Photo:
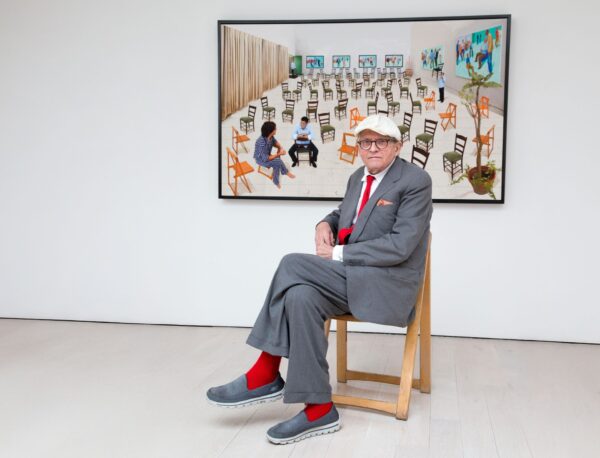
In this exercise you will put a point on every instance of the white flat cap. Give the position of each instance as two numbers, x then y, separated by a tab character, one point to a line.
380	124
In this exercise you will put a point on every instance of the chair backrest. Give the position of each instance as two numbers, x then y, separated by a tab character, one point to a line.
342	104
384	112
418	81
354	113
284	86
407	119
264	102
411	99
345	137
325	84
430	126
490	132
358	86
232	159
389	96
324	119
419	156
460	142
388	84
299	85
376	98
338	85
251	111
484	102
431	96
451	110
313	105
290	104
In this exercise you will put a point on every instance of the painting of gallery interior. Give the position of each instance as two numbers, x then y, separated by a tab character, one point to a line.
442	82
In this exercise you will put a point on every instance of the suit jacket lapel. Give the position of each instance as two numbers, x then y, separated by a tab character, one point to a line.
389	179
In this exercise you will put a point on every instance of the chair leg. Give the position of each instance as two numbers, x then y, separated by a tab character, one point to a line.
425	336
327	327
408	366
342	350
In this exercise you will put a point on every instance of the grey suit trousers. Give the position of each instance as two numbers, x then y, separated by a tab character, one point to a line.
305	291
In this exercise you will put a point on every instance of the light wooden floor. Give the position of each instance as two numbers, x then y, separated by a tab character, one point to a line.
108	390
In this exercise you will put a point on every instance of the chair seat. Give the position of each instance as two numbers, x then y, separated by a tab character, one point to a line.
268	108
422	87
347	149
403	129
485	139
242	168
371	104
393	104
287	112
445	115
417	103
242	138
452	156
425	137
246	119
327	128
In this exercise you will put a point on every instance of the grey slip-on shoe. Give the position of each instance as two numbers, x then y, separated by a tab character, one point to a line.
237	394
297	428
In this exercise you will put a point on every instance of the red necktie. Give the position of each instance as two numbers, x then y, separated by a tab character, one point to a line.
344	233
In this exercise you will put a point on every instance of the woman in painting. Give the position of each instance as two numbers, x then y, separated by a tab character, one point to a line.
263	156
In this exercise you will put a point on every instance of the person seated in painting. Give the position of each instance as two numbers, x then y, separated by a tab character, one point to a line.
263	156
303	136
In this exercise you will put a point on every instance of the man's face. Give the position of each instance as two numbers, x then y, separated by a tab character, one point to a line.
303	124
377	159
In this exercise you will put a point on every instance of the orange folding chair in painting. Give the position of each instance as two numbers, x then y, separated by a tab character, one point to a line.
238	139
355	117
240	170
449	116
430	101
488	139
347	149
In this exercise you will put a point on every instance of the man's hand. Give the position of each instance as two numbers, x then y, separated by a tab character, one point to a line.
324	235
324	251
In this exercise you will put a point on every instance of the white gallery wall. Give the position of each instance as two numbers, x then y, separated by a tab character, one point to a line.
109	168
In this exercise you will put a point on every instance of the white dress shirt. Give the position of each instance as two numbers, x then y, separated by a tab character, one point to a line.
338	250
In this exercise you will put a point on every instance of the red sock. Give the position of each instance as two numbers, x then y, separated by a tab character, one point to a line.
264	371
316	411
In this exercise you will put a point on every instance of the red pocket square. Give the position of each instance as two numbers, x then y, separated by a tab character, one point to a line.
381	202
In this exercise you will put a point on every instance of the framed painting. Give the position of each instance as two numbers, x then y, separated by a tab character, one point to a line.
456	134
340	61
367	60
314	62
394	60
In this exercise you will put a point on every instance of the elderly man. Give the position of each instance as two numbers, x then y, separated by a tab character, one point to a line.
370	258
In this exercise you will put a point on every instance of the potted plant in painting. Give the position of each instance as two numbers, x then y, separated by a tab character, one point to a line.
481	176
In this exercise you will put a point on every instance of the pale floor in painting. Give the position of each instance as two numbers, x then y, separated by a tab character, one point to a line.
77	389
329	179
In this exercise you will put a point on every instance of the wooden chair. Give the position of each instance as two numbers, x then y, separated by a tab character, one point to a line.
372	105
421	89
311	110
357	91
238	139
327	91
355	117
267	111
484	106
488	139
285	92
370	91
393	107
288	113
419	156
430	101
415	104
452	161
261	169
425	140
449	117
240	170
340	109
403	88
327	130
405	127
340	93
437	70
418	333
247	122
297	93
313	93
347	149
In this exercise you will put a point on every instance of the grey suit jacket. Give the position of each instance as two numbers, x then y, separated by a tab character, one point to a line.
385	254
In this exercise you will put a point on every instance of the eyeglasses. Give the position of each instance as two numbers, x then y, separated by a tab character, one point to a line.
380	143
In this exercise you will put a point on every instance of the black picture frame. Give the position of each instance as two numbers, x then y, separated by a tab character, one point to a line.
502	138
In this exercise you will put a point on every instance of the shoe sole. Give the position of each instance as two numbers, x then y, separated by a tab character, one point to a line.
250	402
319	431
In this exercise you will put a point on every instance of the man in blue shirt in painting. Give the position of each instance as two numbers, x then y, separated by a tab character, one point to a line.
303	136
